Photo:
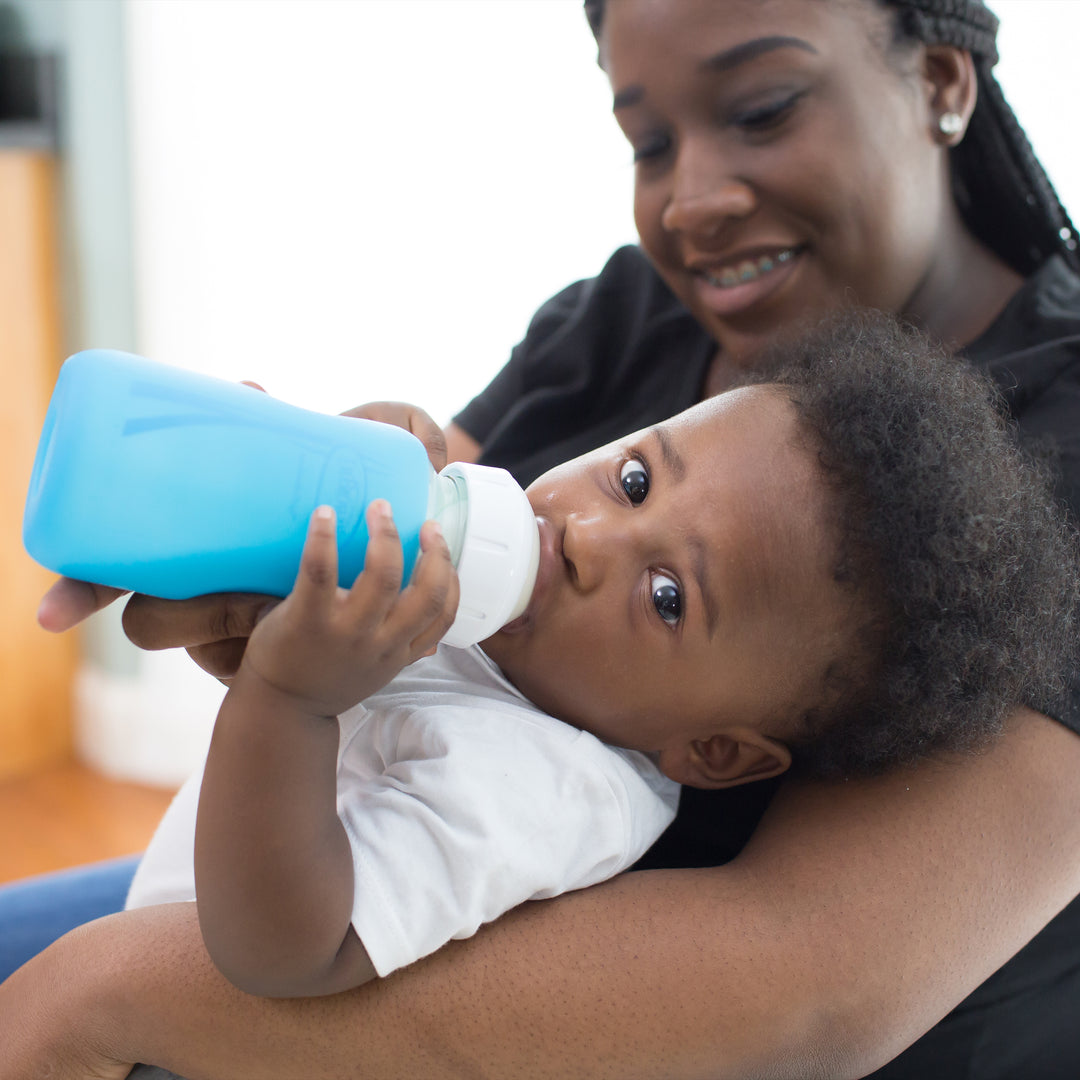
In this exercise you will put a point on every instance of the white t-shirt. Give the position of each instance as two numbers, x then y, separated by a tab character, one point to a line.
461	799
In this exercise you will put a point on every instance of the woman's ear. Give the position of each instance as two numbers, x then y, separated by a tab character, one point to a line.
735	756
953	90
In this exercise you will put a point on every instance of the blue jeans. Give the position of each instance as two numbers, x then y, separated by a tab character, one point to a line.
36	911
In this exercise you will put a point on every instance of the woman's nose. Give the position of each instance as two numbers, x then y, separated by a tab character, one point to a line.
705	195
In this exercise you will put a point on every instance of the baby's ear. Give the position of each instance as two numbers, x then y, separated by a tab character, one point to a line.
732	757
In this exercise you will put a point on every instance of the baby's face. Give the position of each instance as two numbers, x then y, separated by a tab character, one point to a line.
685	581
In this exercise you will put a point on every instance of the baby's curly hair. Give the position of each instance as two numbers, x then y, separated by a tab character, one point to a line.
968	562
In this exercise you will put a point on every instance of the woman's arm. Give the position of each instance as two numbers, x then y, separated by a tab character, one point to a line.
856	918
460	445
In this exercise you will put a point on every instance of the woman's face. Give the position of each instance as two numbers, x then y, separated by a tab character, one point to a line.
783	167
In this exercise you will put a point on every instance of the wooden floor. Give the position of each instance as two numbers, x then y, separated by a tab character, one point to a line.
69	815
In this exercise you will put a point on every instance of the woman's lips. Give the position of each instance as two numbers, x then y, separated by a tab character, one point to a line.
551	561
732	287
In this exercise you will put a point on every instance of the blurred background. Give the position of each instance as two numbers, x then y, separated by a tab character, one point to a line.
344	200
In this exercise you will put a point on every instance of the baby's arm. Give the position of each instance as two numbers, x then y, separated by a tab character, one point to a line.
273	869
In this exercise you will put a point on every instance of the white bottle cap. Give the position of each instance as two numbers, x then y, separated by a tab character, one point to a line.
500	553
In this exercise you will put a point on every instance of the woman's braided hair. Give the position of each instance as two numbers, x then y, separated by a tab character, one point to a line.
999	185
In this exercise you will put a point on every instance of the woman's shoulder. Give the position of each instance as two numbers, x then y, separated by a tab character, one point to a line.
1032	352
587	370
1055	294
628	295
1040	323
610	328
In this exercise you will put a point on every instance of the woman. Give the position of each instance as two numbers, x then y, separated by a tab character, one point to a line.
791	157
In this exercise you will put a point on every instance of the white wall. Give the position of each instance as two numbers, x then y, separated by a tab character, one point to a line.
346	200
1039	74
355	199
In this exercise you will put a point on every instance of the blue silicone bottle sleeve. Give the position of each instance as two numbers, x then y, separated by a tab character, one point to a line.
160	480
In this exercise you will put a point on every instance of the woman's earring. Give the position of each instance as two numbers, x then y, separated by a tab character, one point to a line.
950	124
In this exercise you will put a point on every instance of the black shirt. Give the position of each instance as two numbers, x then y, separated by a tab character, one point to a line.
602	358
617	353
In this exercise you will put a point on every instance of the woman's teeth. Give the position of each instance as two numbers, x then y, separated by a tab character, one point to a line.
748	270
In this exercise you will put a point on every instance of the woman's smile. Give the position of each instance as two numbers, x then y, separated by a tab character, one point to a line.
726	287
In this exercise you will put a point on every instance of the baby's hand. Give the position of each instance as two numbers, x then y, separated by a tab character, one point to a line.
329	648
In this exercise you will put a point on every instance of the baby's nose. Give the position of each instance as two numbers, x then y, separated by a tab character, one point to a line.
584	541
592	546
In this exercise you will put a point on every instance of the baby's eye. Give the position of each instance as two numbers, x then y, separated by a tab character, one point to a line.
635	481
666	598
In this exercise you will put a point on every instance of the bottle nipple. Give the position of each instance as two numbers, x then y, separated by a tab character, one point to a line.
499	552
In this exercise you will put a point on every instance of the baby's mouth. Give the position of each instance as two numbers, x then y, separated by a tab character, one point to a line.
747	270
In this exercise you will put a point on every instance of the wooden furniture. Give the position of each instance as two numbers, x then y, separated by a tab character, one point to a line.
68	815
36	668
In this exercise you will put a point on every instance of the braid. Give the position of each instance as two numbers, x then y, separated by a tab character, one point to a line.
999	184
594	12
966	24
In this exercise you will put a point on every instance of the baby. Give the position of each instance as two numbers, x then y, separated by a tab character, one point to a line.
843	566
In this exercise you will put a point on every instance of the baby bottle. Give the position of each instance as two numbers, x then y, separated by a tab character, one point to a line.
162	481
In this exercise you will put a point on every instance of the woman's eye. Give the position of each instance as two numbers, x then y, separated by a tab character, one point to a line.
765	117
635	481
651	148
666	598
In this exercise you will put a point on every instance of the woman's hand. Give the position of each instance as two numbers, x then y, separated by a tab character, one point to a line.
452	443
214	629
326	648
410	417
68	602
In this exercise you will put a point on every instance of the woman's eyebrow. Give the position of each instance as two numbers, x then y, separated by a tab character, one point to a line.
750	50
722	61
